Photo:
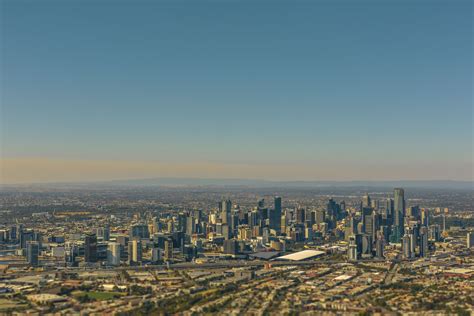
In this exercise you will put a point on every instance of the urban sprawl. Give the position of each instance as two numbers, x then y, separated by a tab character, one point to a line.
190	251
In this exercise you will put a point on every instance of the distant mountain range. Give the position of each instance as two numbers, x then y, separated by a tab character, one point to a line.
256	183
440	184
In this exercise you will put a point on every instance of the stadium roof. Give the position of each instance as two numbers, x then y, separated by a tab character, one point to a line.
302	255
265	255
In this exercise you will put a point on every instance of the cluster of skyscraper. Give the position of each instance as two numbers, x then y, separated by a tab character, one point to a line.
240	231
392	222
28	241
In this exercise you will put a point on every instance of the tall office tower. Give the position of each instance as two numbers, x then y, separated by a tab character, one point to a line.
470	240
374	204
190	225
300	215
406	248
366	246
243	216
113	254
103	233
425	217
234	222
412	213
253	218
139	231
226	207
155	255
225	231
343	205
366	215
130	252
90	248
351	227
376	222
283	223
352	253
413	239
32	253
388	214
398	214
423	241
275	218
444	222
155	221
332	210
311	218
136	251
13	233
180	224
70	253
261	203
25	236
197	214
320	216
170	226
366	202
385	231
379	245
399	207
168	254
435	232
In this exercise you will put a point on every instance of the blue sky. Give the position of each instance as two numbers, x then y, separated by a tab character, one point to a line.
323	84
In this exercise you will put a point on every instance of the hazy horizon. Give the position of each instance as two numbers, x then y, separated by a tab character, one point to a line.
329	90
66	171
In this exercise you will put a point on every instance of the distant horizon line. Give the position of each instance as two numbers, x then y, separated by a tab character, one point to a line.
249	181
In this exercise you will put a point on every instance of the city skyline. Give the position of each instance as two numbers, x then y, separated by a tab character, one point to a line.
239	157
240	252
305	91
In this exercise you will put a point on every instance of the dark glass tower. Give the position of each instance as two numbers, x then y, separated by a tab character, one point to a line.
275	218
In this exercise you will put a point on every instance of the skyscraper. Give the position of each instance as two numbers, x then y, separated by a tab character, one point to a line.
352	250
320	216
137	251
425	217
134	251
25	236
90	248
366	202
275	218
139	230
300	215
399	211
168	253
226	207
190	225
470	240
399	206
113	254
423	241
103	233
155	255
367	220
32	253
379	246
406	249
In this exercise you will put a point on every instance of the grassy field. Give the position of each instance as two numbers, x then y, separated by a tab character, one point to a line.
100	296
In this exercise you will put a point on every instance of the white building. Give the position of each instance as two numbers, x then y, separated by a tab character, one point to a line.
113	254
